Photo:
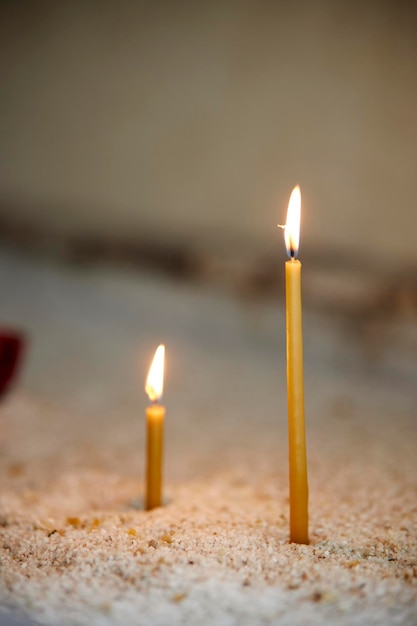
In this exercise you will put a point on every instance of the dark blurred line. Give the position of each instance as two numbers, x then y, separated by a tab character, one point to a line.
332	283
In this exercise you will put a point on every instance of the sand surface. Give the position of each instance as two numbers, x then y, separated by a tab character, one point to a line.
76	546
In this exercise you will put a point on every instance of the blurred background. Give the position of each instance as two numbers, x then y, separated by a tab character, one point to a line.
193	121
147	153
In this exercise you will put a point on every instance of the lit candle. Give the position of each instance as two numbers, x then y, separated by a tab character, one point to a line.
295	376
155	414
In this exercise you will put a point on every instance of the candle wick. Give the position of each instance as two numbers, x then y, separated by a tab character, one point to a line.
154	401
292	253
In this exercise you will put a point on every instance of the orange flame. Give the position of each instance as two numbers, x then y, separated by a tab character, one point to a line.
155	382
292	227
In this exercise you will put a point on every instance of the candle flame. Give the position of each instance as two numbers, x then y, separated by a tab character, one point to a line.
155	382
292	226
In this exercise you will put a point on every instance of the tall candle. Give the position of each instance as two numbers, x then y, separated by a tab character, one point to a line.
295	376
155	416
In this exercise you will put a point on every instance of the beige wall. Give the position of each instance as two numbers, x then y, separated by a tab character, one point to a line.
197	118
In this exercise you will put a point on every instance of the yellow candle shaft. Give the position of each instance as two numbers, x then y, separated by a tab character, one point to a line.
295	390
155	415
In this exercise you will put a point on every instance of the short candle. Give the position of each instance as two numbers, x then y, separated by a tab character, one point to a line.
295	376
155	415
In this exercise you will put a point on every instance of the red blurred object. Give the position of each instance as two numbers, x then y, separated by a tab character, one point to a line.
12	344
